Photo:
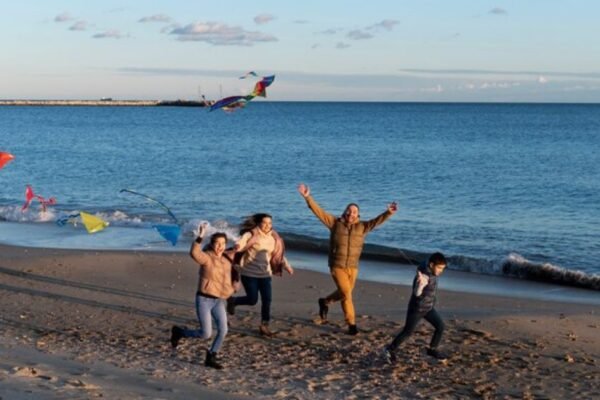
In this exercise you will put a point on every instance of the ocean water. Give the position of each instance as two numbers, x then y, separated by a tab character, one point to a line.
499	187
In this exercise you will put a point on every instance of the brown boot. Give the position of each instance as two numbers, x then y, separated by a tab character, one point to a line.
264	330
323	309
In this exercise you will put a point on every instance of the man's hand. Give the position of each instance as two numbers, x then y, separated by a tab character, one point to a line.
303	190
288	268
392	207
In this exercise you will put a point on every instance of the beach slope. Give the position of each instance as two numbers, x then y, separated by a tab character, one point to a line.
87	324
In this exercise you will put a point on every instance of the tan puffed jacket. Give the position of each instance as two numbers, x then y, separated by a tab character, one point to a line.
216	274
345	241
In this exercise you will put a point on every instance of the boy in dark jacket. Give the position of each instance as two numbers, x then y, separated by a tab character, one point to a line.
421	305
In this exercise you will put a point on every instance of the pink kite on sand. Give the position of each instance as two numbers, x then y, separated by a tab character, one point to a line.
5	158
29	196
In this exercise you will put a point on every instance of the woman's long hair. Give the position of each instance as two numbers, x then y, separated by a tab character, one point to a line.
252	221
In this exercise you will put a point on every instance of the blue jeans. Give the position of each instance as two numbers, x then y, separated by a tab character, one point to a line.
205	308
412	319
254	286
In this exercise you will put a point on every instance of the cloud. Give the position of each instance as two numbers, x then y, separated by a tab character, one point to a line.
219	34
262	19
63	17
424	71
542	80
301	21
387	24
168	28
314	46
489	85
331	31
79	26
156	18
498	11
436	89
342	45
498	85
110	34
357	34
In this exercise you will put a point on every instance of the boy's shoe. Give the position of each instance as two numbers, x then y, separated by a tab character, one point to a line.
176	335
352	330
435	353
211	361
231	306
263	329
389	356
323	309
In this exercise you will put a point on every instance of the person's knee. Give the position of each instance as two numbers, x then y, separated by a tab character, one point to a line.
206	333
440	327
253	299
223	330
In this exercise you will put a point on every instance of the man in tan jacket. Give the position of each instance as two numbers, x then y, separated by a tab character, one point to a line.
346	240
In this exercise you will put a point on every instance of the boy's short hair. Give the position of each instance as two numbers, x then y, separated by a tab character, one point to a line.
437	258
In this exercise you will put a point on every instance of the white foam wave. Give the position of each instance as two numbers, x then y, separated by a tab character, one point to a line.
516	265
32	214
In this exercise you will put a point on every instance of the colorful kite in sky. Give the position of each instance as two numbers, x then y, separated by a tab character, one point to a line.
29	196
92	223
5	158
233	102
167	231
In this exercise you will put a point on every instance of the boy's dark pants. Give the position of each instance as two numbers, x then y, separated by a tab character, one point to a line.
412	319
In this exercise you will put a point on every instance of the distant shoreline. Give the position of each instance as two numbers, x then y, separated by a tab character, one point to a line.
105	103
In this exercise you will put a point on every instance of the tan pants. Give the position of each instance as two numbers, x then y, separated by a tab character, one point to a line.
345	279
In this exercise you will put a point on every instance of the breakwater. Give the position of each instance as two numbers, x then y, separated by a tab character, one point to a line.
105	103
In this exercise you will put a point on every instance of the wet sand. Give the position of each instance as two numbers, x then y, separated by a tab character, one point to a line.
88	324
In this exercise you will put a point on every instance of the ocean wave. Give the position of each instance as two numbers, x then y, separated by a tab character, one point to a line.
513	265
13	213
518	266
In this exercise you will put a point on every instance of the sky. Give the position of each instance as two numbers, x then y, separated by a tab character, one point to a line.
319	50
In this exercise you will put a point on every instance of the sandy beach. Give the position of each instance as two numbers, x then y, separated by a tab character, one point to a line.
88	324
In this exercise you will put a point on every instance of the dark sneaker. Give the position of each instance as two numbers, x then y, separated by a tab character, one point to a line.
211	361
389	356
231	306
352	330
176	335
437	354
263	329
323	309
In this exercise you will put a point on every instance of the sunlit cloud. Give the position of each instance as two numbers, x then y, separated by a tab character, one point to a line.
498	85
489	85
262	19
545	74
542	79
109	34
219	34
435	89
156	18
